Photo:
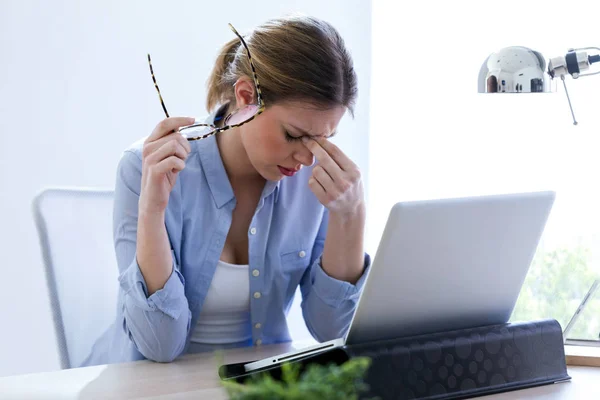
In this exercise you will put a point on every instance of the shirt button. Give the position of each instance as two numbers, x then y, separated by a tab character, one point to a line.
253	231
255	272
257	325
258	342
257	295
302	254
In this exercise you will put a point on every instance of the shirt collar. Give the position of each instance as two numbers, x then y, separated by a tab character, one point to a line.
272	187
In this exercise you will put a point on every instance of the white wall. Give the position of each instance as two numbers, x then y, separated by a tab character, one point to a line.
433	135
75	90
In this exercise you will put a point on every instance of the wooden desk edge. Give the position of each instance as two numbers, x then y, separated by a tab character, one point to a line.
585	356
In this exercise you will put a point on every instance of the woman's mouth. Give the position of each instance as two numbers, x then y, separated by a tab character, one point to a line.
287	171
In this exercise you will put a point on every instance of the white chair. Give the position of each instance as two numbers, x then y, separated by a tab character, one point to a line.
75	232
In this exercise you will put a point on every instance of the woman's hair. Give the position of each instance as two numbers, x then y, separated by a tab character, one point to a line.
296	58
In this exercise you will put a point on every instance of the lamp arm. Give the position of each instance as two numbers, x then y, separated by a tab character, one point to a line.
591	59
575	61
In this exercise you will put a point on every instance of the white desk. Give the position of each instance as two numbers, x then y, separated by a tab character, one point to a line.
195	377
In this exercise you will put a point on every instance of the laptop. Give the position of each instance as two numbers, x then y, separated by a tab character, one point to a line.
443	265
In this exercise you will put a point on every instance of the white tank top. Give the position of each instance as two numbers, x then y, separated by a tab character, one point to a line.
225	314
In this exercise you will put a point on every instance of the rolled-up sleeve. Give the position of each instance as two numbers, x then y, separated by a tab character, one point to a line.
334	292
156	324
328	304
168	299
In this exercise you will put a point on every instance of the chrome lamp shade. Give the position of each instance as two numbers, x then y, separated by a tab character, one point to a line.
515	69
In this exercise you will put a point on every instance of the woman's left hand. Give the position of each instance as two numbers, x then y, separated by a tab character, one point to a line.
335	180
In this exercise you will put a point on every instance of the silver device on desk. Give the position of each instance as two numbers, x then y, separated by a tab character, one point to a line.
442	265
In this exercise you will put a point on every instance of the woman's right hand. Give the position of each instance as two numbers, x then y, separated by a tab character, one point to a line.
163	157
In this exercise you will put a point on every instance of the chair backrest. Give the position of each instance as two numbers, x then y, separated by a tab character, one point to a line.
75	231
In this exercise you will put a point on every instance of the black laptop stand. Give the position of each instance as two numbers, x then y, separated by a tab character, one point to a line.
451	365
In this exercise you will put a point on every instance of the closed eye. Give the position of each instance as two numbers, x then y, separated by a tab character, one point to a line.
291	138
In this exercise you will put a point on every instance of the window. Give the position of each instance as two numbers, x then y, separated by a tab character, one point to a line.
432	135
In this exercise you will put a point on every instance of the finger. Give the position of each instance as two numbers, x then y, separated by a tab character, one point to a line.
335	153
151	147
323	178
318	190
183	141
168	125
169	164
324	159
171	148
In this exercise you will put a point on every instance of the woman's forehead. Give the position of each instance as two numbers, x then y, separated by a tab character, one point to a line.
308	119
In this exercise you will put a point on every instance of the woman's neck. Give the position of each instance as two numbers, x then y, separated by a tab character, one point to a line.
235	159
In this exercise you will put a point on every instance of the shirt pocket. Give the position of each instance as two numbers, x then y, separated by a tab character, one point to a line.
294	263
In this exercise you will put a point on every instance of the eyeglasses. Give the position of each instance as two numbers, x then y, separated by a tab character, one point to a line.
234	119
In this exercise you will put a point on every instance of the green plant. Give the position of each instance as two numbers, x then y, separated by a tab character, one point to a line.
331	382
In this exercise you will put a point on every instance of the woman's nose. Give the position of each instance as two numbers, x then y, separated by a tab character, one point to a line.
304	157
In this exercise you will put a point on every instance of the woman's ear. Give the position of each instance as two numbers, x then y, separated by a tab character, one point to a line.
244	92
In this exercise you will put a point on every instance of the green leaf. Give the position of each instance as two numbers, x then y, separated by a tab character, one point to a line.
330	382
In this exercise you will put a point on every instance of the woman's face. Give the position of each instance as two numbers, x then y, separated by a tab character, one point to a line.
273	140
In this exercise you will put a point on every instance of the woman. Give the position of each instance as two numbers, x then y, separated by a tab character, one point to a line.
213	236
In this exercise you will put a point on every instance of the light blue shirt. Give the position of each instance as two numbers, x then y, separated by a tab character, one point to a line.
285	244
